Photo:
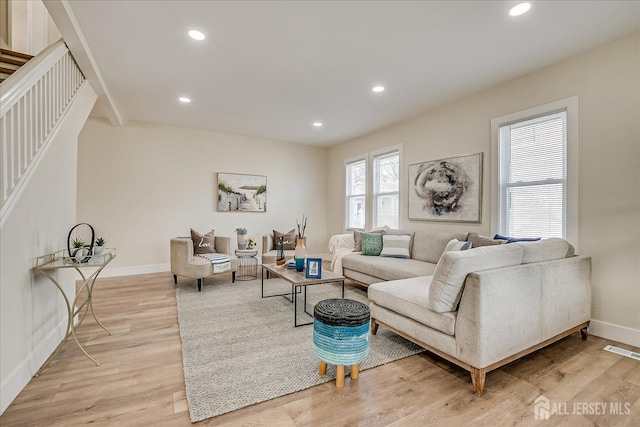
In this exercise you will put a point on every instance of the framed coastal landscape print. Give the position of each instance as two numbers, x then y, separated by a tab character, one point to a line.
242	193
446	189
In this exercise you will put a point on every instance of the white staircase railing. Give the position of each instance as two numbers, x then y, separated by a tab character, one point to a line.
32	103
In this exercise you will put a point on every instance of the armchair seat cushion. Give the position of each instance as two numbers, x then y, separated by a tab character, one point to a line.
198	268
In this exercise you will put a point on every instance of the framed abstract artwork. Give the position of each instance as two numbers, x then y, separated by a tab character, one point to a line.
242	193
446	189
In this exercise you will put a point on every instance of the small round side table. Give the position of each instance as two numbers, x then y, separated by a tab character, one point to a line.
247	264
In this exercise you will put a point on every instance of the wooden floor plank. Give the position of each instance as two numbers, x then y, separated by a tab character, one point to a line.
141	380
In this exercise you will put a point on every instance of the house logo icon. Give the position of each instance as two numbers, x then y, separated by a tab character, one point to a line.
541	408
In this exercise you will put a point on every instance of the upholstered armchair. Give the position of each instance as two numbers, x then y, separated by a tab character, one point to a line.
270	249
184	263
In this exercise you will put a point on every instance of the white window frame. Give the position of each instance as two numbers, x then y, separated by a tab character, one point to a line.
370	197
570	105
375	194
347	198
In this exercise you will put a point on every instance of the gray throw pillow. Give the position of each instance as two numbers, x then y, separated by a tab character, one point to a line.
203	243
477	240
357	237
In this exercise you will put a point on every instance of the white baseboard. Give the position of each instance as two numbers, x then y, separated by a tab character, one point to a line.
615	332
138	269
20	377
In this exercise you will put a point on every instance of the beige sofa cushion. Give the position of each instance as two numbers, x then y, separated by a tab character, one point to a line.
545	250
453	267
387	268
410	297
428	246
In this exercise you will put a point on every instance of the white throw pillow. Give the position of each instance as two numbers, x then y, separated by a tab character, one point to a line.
453	267
395	245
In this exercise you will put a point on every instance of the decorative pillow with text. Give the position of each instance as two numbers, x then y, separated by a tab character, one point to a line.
203	243
289	239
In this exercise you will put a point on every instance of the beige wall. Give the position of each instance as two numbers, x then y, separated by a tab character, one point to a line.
142	184
607	82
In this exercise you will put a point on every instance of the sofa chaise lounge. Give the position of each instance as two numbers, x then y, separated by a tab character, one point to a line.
481	308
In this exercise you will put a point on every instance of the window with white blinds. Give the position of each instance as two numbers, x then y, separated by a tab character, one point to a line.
356	187
372	189
533	177
386	189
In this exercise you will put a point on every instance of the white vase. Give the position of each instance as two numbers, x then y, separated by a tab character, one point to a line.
241	236
98	249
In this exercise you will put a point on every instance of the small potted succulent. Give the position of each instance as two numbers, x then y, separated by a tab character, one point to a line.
80	250
99	246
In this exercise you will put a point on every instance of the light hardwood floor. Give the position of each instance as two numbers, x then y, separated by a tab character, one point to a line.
141	381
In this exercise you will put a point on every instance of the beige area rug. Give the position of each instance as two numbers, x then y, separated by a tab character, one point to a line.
239	349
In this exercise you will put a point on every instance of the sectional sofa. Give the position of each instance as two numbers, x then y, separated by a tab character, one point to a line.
479	308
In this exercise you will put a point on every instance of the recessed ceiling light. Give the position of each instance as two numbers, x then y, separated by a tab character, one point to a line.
519	9
196	35
184	99
317	124
378	88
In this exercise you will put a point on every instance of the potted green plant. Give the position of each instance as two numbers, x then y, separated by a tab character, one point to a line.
80	250
99	245
78	243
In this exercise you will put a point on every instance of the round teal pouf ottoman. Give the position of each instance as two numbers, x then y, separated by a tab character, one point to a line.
341	335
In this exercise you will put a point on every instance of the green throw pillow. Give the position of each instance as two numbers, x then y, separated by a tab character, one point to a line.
371	244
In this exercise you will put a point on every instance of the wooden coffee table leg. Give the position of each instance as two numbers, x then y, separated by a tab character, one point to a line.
323	368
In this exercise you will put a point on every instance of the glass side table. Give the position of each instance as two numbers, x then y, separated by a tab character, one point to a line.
61	259
247	264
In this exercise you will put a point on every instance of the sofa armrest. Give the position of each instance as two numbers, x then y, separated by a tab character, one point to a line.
267	243
222	245
507	310
181	254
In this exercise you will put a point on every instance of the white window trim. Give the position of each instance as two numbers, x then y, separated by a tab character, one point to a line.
367	212
373	155
571	106
368	158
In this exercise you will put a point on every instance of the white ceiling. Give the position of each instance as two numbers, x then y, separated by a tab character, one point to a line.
271	68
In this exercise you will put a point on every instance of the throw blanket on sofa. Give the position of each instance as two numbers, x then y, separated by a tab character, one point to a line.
340	246
221	262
